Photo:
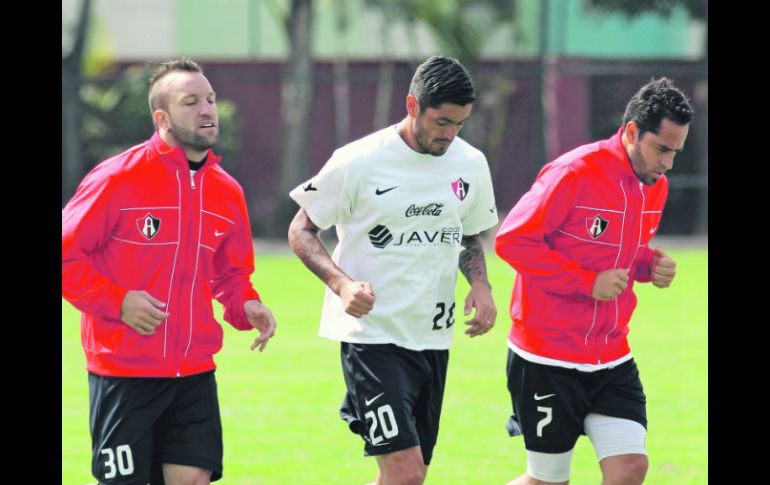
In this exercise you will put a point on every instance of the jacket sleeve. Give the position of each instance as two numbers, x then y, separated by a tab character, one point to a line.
86	226
522	242
233	266
643	266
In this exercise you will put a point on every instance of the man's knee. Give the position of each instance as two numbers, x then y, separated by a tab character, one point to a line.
528	479
624	469
185	475
403	476
635	470
409	477
405	467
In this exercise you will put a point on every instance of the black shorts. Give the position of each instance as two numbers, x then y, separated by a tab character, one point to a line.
550	403
394	396
140	423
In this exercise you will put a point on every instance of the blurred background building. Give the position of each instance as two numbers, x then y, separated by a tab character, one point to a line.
297	78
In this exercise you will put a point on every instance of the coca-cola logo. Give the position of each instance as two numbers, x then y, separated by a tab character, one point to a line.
432	209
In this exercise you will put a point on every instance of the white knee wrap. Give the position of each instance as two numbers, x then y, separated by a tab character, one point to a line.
615	436
549	467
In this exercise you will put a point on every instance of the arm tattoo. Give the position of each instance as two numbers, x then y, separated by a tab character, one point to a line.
305	241
472	262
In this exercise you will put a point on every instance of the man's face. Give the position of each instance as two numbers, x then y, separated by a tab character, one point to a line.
435	128
192	110
653	155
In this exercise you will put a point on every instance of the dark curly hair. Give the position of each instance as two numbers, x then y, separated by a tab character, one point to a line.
655	101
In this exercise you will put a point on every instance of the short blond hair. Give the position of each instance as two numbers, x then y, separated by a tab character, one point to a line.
157	97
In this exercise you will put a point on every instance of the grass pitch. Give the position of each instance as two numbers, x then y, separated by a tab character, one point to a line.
280	408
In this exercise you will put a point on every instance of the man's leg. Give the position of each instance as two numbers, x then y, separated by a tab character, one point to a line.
620	448
617	425
548	405
527	479
403	467
384	386
549	468
123	413
189	439
185	475
624	469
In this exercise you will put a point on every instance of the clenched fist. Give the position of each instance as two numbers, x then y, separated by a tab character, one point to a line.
662	269
610	284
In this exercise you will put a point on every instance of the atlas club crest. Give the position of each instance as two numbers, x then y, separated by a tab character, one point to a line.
596	226
460	188
148	226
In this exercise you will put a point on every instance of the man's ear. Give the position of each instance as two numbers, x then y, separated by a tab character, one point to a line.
412	106
632	132
161	119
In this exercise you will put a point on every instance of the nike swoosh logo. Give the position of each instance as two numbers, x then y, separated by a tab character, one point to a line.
380	192
369	401
538	398
652	230
492	210
309	187
217	233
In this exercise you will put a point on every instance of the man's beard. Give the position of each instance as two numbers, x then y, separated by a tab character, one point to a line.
424	144
637	164
190	139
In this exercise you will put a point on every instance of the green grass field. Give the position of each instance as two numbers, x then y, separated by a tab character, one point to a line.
280	408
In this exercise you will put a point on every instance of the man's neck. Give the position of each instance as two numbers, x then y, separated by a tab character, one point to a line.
406	134
624	140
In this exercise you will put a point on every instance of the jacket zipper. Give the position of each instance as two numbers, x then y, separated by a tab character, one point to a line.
639	222
187	238
197	261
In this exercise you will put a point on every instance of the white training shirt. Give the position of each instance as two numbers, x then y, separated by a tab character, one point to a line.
400	216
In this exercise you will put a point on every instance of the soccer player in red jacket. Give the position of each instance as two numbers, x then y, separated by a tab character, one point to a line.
578	240
149	238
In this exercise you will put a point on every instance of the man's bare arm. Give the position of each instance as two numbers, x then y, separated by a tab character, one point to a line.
479	297
305	240
472	263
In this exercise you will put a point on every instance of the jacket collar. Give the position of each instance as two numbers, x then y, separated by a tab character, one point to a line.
620	161
176	155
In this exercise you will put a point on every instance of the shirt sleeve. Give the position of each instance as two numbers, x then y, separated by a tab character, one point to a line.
521	239
325	197
483	212
86	225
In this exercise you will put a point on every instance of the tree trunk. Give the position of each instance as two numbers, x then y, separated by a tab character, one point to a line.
341	75
341	101
71	110
296	112
384	81
384	94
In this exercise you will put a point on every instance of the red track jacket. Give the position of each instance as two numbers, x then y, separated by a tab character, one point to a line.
586	212
138	221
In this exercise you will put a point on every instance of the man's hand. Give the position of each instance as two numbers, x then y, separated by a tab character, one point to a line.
357	298
609	284
142	312
662	269
480	298
261	318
